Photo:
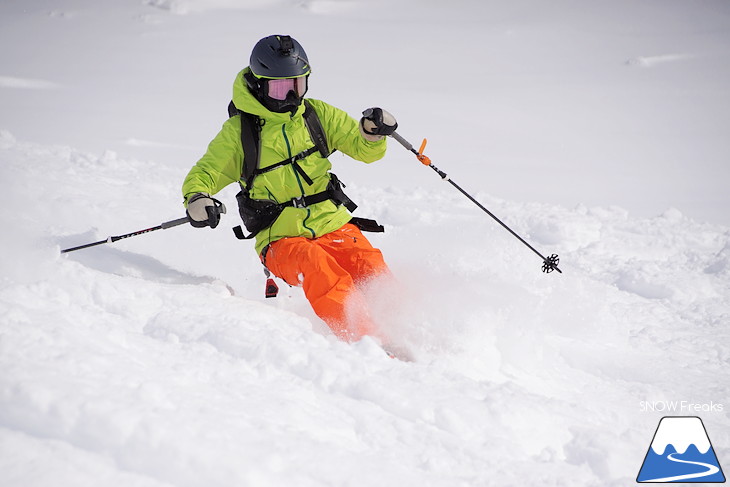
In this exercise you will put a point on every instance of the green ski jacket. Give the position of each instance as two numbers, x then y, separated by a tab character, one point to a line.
283	135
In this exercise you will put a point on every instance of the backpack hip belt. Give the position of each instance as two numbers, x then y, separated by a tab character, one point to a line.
260	214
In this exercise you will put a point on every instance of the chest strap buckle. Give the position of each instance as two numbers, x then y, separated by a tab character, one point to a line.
299	202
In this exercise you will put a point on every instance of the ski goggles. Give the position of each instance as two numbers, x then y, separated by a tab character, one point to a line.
279	88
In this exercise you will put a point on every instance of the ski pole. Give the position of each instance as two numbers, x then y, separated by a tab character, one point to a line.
549	264
162	226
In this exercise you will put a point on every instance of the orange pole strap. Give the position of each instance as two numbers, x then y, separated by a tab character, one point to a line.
421	157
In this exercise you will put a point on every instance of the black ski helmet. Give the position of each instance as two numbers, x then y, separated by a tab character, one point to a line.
277	57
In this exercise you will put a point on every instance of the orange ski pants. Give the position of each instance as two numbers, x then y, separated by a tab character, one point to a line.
330	268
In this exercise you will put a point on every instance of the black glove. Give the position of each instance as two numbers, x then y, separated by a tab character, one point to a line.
204	211
376	123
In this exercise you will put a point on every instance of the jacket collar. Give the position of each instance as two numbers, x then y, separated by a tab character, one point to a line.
245	101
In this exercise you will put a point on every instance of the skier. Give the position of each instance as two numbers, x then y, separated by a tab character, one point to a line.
289	199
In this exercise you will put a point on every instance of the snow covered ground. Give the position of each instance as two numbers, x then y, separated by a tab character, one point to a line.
596	130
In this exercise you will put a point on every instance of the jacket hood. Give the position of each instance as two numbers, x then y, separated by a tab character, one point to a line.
245	101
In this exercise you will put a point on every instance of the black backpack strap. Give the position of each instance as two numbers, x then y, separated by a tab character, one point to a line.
294	161
316	132
250	142
232	110
367	225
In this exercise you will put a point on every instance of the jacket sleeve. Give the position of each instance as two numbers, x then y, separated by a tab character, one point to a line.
221	164
343	134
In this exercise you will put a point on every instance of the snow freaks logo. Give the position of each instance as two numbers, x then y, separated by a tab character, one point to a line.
681	452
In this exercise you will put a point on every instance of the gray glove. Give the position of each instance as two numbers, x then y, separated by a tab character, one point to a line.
377	123
203	211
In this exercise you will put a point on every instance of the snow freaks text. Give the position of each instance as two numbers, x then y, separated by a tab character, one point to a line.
683	407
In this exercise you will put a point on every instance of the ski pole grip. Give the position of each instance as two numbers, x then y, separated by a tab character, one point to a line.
402	141
174	223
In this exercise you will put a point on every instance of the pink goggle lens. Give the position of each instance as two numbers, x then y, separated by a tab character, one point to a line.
279	88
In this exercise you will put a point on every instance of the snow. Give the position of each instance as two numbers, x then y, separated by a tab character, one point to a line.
597	131
681	433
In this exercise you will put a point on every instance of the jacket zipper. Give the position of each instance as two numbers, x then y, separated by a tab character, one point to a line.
299	181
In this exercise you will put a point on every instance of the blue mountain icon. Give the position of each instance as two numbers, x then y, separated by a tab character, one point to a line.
681	452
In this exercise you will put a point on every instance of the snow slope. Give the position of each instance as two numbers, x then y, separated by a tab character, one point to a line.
157	361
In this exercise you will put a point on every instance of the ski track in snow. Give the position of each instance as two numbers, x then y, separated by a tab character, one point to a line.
26	83
651	61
